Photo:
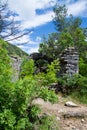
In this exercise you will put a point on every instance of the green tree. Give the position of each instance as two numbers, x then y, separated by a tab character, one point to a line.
60	17
16	109
69	33
49	46
63	21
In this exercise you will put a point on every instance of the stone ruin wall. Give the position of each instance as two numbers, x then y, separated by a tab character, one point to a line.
69	62
16	63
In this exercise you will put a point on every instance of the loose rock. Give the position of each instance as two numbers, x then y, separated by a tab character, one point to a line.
82	120
70	104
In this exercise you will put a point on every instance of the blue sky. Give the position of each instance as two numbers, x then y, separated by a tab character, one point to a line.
37	14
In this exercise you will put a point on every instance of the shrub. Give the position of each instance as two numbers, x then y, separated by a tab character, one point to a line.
83	67
51	75
75	85
7	120
46	122
48	95
16	111
46	79
27	68
67	84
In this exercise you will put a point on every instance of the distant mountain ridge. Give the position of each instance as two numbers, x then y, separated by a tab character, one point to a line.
14	50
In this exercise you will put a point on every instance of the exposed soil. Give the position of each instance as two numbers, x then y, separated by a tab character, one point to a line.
69	118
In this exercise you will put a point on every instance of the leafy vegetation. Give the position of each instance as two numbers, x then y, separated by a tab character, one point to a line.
14	50
69	34
17	111
51	73
27	67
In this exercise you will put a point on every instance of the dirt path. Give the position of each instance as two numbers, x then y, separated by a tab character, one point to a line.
69	118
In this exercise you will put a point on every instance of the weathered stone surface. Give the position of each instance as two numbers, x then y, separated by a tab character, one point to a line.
69	61
16	63
74	114
70	104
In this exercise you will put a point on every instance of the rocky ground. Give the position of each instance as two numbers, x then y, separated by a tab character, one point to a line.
69	117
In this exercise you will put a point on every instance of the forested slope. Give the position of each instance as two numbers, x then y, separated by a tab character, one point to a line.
14	50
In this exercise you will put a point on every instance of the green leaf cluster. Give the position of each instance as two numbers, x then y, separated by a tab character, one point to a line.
16	109
27	67
75	85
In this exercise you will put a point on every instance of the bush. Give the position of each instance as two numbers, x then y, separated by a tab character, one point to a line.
7	120
83	67
67	84
46	79
81	92
27	68
75	85
46	122
48	95
16	111
51	75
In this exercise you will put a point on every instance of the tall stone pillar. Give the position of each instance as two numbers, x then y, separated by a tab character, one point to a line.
16	63
69	62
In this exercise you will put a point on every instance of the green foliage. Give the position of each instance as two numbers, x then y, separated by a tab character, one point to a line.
50	76
26	90
46	79
69	33
4	61
83	67
14	50
75	85
81	91
48	95
49	46
16	111
66	40
60	17
27	67
33	112
5	77
64	24
47	122
67	83
23	124
7	120
82	84
53	68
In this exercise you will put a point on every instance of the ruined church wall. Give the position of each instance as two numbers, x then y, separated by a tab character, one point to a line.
16	63
69	61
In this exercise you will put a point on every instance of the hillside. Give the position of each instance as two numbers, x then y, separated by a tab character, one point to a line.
14	50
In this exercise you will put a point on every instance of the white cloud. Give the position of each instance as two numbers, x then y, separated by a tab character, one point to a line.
75	7
39	20
78	8
27	10
31	50
38	39
31	46
28	49
30	19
